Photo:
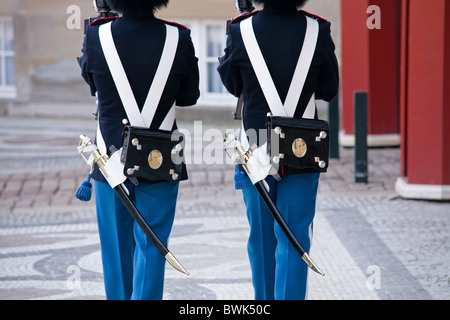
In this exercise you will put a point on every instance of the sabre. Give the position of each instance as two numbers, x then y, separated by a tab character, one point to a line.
86	145
242	157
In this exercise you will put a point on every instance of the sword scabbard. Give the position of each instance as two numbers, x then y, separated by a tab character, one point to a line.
86	145
243	157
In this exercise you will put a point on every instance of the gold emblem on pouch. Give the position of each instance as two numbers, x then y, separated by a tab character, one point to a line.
299	147
155	159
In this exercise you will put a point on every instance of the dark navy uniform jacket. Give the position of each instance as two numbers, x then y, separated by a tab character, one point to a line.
140	44
280	37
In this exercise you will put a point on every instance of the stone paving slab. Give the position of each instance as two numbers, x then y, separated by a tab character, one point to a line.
371	244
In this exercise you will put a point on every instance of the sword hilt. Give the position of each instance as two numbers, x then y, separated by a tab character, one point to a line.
243	155
86	143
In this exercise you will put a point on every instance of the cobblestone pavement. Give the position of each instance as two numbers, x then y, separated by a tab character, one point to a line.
370	243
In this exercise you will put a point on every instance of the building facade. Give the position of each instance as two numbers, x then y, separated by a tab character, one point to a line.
40	40
398	51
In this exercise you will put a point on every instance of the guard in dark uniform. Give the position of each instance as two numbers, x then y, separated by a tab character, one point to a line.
133	268
278	272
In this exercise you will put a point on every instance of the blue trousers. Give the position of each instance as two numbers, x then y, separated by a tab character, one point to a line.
278	272
132	267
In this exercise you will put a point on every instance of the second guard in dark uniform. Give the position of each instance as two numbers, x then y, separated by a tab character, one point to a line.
278	272
133	268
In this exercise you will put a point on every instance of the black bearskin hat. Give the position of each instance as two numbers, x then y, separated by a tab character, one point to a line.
136	8
281	3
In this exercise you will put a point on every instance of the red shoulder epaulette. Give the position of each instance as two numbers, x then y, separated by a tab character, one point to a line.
176	24
102	20
243	16
314	16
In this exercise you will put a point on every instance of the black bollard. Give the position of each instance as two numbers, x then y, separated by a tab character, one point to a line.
361	163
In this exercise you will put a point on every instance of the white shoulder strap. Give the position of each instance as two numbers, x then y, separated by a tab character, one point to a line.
161	76
260	68
119	75
135	117
302	69
301	72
